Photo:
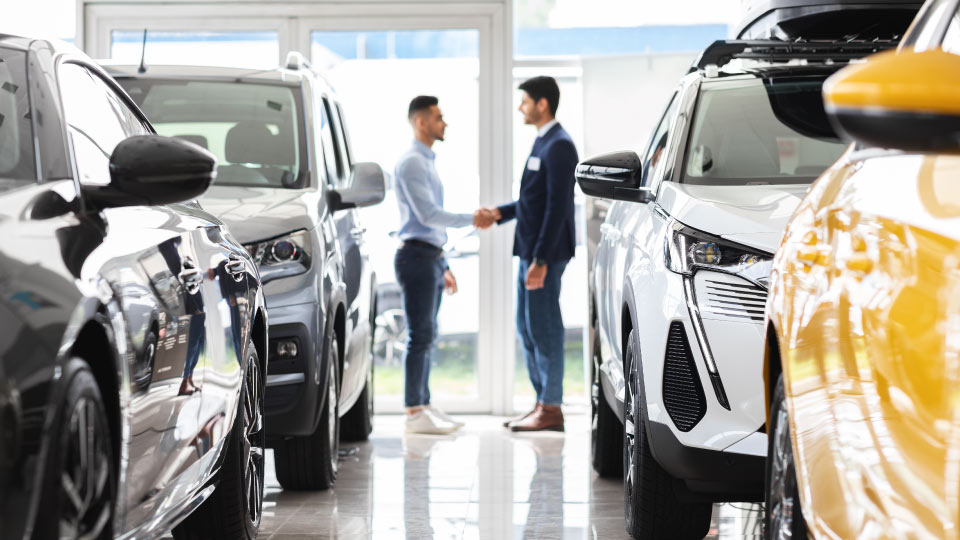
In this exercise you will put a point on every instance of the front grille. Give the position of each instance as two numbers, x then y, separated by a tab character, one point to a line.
743	301
682	392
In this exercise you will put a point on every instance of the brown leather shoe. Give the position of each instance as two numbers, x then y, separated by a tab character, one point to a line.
548	418
513	421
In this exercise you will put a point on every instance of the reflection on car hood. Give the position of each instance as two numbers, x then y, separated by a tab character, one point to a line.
255	213
751	215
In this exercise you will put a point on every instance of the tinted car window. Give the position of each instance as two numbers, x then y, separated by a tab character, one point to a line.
346	138
254	129
97	121
760	132
658	143
17	158
331	157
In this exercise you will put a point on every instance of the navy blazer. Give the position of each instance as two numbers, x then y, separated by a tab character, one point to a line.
544	211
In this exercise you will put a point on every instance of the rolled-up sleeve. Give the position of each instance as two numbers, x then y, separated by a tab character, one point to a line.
413	182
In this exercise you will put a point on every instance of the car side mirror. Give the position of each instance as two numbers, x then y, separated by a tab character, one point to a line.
898	99
367	187
154	170
616	175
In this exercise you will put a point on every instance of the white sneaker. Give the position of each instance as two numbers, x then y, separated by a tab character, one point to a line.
444	416
428	423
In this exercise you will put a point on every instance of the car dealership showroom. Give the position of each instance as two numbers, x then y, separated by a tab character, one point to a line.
479	269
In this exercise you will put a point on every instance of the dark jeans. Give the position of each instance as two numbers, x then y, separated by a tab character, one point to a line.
419	272
540	327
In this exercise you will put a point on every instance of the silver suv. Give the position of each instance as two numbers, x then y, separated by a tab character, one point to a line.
288	189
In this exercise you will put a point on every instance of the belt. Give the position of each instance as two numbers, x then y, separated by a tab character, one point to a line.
421	244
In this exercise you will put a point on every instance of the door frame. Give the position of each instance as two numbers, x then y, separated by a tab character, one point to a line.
293	23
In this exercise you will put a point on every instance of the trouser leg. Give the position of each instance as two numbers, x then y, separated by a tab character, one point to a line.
523	331
545	325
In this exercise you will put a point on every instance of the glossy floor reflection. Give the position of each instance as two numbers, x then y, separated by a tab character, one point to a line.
482	483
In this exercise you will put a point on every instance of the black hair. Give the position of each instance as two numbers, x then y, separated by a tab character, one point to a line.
421	103
543	87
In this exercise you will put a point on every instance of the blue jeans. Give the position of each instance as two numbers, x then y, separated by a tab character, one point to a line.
540	327
420	275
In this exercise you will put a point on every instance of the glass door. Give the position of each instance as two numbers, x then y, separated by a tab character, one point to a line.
376	73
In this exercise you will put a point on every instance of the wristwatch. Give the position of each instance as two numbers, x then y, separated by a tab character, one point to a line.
539	262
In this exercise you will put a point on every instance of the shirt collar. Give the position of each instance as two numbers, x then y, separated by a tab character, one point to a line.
547	127
423	149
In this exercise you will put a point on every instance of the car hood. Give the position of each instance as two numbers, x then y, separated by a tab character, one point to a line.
254	213
751	215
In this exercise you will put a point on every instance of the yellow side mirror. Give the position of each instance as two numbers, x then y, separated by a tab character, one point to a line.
899	99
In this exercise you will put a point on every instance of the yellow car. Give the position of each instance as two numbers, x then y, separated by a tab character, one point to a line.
863	337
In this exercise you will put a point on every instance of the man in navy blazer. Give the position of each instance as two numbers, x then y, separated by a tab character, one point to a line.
545	241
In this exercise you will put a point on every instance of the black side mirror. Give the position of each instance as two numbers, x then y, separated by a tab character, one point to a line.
152	170
616	175
367	188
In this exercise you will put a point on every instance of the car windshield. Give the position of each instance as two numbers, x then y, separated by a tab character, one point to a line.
254	129
17	158
760	131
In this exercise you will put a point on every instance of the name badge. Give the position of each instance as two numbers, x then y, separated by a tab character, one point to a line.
533	163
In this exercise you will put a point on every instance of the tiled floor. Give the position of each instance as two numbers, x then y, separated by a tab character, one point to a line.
481	483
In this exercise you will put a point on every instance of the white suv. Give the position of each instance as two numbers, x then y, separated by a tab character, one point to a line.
680	277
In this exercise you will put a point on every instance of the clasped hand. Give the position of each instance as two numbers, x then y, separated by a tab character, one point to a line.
484	218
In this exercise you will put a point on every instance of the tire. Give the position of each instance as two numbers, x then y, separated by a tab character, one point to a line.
310	463
234	510
784	515
82	431
606	433
653	510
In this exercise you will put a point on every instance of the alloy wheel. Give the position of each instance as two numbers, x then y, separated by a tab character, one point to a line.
254	436
629	433
782	481
85	479
332	412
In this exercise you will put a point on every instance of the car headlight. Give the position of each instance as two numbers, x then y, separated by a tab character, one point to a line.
689	249
292	249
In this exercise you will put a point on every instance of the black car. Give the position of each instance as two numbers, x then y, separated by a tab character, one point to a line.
133	349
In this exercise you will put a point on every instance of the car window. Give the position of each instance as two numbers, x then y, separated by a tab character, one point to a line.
17	157
343	168
330	155
760	131
656	149
254	129
345	138
97	121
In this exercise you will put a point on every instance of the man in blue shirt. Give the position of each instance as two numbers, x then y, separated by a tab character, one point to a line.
545	241
421	269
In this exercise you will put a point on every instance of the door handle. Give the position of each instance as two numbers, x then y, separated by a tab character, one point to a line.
236	268
190	276
357	232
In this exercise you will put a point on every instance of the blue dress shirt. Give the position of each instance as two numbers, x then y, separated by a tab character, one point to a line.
420	197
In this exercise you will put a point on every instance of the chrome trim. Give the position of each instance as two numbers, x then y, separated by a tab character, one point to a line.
701	333
285	379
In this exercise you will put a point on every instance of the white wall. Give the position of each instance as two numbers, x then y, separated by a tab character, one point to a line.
624	97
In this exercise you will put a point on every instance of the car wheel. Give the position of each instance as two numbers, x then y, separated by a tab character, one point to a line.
81	484
784	516
357	424
653	510
234	510
606	434
310	463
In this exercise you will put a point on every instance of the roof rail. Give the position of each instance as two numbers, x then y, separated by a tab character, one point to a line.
295	61
721	52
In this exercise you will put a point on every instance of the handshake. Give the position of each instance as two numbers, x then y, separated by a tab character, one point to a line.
484	218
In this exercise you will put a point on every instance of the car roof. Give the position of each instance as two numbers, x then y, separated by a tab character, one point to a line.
283	76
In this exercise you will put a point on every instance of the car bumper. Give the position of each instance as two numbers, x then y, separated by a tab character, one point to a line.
702	367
